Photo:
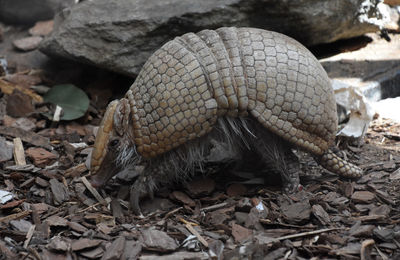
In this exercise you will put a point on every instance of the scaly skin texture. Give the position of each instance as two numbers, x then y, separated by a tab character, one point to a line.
193	81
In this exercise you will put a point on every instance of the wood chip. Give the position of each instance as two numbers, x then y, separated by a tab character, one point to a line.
26	136
29	235
94	253
363	196
19	153
214	207
297	212
6	252
85	243
132	249
159	241
182	197
12	204
95	193
369	218
41	157
75	171
60	192
77	227
194	232
8	88
58	244
6	150
57	221
320	214
15	216
19	104
115	250
240	233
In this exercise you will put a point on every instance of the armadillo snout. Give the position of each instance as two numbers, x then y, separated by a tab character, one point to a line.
103	170
104	173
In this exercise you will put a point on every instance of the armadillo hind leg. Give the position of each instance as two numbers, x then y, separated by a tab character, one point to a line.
287	165
279	158
291	179
335	164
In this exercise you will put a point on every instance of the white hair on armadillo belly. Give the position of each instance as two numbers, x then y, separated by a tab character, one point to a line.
181	163
238	136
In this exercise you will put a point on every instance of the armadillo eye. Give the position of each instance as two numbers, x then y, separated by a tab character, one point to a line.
114	143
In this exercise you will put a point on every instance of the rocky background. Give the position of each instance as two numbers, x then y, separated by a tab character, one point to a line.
91	51
121	35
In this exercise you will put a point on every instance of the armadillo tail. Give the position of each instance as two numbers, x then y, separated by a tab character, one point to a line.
335	164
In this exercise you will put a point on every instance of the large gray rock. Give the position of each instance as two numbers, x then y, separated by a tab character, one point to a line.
30	11
121	34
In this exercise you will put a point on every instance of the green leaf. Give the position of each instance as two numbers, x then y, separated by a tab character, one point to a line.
73	100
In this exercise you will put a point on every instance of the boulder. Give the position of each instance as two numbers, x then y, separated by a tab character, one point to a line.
30	11
120	35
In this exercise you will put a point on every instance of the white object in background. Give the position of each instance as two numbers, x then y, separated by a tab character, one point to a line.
360	110
388	108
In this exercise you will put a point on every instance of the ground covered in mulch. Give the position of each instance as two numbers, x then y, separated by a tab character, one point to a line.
55	214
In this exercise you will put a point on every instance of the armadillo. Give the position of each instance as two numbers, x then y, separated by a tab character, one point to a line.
257	90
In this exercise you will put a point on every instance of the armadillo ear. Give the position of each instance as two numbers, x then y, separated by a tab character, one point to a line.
121	117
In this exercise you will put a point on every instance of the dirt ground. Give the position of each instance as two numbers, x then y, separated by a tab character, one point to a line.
55	214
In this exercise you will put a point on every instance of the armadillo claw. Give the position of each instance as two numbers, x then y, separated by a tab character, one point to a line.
292	185
292	188
139	190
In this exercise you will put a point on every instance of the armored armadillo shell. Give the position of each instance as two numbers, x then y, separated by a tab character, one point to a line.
190	81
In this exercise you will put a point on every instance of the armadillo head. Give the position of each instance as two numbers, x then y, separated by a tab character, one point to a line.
113	138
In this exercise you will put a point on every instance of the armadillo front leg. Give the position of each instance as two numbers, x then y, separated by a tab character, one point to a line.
155	174
144	186
138	191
